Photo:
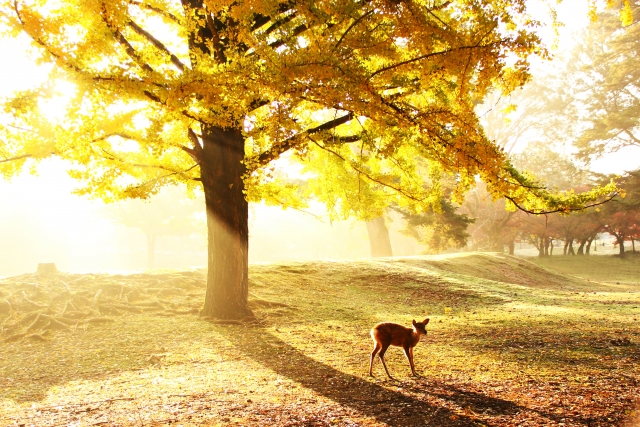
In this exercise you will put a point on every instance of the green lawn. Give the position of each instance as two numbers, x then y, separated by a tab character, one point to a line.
511	342
610	269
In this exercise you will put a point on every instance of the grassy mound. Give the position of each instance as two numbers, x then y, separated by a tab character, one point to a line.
501	268
509	343
624	271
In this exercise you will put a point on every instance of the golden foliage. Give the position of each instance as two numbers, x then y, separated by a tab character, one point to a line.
363	94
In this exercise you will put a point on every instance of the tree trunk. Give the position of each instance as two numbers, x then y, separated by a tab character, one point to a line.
379	238
566	245
571	251
621	244
588	248
151	250
541	247
512	247
581	247
227	223
551	248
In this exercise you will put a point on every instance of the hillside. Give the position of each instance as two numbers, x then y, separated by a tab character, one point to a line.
509	343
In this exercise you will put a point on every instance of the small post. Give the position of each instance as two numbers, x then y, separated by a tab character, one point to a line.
46	268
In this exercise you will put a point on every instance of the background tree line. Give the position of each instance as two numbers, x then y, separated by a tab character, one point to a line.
588	106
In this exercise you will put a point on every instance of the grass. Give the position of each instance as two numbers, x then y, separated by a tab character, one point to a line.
511	342
608	269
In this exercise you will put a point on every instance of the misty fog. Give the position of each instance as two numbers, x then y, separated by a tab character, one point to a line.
41	221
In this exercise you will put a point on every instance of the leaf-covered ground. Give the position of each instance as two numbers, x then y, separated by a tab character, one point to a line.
509	343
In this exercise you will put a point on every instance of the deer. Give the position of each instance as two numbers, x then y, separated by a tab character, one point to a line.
386	334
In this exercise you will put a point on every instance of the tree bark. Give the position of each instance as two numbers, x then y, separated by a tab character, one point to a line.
540	247
222	171
512	247
588	248
581	247
621	244
151	250
379	240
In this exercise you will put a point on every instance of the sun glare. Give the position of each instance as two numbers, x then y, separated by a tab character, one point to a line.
54	108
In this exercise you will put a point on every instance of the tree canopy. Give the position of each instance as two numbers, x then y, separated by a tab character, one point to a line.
606	80
146	92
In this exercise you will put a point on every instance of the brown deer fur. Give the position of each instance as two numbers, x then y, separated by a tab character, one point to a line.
386	334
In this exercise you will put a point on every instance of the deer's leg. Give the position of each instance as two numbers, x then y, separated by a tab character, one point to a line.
408	351
376	348
381	355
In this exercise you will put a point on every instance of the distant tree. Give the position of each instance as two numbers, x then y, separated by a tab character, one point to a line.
379	239
527	114
590	225
169	213
493	227
622	215
557	170
440	229
605	75
536	230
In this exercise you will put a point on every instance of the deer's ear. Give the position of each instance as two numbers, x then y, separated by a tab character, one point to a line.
414	322
426	321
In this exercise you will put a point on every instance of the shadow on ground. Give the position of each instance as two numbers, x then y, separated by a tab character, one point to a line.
395	408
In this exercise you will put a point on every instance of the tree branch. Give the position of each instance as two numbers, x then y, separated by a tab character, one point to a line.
158	44
120	38
296	32
217	44
289	143
169	15
63	62
351	27
196	151
543	212
429	55
149	166
359	170
10	159
279	23
260	20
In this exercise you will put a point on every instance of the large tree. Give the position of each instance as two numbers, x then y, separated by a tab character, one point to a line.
215	92
605	76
